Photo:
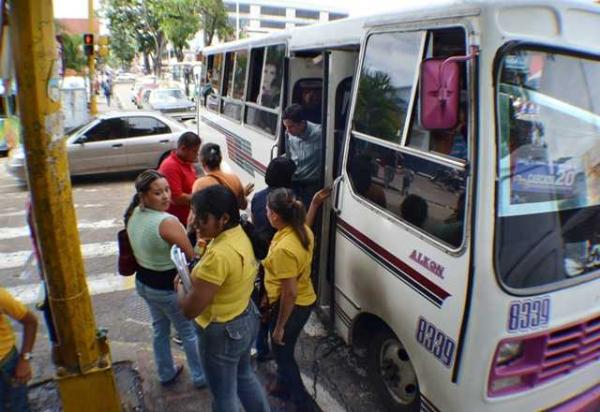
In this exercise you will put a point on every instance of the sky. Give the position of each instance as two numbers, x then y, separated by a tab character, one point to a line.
79	8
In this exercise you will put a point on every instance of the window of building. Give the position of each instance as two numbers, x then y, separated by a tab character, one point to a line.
272	11
337	16
307	14
230	7
425	192
272	24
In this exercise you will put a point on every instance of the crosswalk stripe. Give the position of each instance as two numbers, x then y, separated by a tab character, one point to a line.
97	284
15	232
16	260
12	213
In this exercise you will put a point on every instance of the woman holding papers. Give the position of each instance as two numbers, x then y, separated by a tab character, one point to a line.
152	231
219	300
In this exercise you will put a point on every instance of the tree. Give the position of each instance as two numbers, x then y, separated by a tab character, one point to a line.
180	22
213	20
123	47
73	52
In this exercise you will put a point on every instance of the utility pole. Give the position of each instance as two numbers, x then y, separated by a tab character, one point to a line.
83	365
92	61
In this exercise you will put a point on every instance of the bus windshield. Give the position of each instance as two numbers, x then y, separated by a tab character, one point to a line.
548	108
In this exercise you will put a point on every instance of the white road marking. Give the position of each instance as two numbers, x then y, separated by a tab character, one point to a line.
97	284
89	250
15	232
324	399
22	212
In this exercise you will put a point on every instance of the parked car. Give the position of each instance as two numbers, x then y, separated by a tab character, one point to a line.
125	77
170	101
114	142
137	91
143	94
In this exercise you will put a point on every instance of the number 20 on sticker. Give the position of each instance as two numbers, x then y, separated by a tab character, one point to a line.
435	341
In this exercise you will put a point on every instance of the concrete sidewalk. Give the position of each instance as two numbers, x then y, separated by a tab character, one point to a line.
130	338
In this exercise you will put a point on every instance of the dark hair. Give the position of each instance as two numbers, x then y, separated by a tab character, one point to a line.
216	200
295	113
279	172
142	185
210	155
189	139
283	202
414	210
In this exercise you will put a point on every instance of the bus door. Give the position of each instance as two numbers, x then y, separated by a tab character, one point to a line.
401	255
341	66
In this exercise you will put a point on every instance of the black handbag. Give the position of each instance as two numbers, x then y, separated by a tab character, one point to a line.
126	264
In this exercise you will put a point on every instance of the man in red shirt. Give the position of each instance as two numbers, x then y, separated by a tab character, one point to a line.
178	168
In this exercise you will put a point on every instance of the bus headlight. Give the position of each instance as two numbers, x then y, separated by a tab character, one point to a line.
508	351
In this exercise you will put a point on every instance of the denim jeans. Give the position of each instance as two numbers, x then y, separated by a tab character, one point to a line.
13	398
164	311
225	354
288	374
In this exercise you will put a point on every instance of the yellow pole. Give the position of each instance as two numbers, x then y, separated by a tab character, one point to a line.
84	373
92	61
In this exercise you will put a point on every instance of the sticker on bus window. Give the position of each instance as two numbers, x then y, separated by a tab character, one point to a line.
528	314
435	342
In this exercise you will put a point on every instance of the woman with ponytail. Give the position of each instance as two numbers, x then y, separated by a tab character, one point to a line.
152	231
210	158
289	290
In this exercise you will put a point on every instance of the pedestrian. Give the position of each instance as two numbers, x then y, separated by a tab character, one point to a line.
219	300
303	146
289	290
15	368
210	158
152	231
107	89
178	168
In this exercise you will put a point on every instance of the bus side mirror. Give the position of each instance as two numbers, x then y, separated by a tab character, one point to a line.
440	94
440	91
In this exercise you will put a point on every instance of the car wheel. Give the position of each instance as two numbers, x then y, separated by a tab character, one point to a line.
392	373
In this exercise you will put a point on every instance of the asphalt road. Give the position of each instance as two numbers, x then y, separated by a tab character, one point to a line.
341	383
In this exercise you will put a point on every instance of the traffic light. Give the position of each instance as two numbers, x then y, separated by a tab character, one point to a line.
88	44
103	42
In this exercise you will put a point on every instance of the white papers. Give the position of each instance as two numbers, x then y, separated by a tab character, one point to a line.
178	258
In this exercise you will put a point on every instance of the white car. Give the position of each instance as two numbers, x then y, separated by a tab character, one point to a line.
125	77
114	142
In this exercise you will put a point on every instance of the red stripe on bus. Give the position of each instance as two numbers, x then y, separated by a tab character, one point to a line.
395	261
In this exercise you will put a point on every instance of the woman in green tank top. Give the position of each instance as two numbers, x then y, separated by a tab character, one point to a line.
152	231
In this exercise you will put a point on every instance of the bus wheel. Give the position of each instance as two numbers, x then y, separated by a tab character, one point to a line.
392	373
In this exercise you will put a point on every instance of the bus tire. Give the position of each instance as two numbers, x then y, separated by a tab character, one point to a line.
162	158
392	373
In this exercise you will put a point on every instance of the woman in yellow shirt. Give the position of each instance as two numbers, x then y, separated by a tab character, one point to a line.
219	300
289	289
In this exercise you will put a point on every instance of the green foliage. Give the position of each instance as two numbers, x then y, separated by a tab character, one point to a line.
213	20
378	113
73	52
180	22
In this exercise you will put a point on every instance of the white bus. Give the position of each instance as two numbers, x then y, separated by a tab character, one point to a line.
461	248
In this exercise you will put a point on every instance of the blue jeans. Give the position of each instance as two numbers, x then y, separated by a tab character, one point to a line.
225	354
164	311
13	398
288	373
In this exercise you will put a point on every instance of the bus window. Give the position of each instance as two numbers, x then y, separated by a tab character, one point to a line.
427	194
264	92
215	68
235	75
386	84
307	92
548	230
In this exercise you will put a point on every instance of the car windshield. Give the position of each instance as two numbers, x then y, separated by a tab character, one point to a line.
548	231
167	95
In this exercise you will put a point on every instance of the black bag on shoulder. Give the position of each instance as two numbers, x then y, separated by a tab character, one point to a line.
259	245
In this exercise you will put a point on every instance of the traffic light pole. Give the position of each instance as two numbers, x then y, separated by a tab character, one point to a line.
92	62
83	366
